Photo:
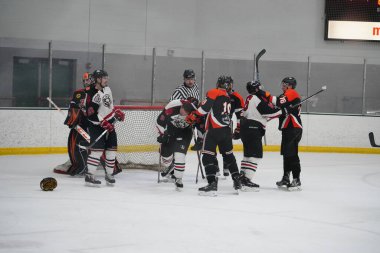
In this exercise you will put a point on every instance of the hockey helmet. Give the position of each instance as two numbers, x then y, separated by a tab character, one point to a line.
188	106
291	81
189	74
99	73
225	82
252	86
48	184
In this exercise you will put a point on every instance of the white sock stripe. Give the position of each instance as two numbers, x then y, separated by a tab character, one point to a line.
94	158
247	162
248	168
243	164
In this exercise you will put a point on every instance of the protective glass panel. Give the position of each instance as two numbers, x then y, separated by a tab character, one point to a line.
22	71
130	71
170	66
343	77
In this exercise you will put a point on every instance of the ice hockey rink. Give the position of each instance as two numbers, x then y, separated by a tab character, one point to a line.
338	209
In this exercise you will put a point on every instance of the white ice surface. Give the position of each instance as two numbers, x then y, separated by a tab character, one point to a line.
337	211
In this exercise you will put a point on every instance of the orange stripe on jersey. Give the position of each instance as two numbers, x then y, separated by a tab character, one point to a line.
291	94
214	93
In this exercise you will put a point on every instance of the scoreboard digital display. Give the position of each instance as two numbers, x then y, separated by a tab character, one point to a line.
352	20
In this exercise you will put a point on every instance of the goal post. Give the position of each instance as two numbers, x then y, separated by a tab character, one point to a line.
137	137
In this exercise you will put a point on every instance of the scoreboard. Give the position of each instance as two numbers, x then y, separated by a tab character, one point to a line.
352	20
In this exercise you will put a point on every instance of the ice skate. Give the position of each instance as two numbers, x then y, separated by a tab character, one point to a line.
236	182
209	190
226	172
295	185
110	180
91	180
283	182
178	184
248	185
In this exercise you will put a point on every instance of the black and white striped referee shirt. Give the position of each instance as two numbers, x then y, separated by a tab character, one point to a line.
183	92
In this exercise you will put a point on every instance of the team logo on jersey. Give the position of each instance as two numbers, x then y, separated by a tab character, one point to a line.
96	99
178	121
107	100
78	95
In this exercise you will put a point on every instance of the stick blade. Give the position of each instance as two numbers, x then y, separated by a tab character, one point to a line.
372	140
324	87
263	51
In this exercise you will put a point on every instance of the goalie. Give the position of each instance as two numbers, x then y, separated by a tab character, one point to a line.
175	137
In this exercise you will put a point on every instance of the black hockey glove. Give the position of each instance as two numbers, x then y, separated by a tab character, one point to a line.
163	138
236	134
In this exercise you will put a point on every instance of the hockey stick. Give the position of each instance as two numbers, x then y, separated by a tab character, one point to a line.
261	53
95	141
199	164
372	140
79	129
160	167
373	112
304	100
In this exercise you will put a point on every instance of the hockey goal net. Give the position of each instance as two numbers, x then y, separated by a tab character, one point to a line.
137	137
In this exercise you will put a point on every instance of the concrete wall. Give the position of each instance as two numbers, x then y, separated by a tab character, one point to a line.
44	128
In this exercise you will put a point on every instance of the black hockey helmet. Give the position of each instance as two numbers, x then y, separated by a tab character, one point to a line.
252	86
188	74
290	81
225	82
99	73
188	106
193	100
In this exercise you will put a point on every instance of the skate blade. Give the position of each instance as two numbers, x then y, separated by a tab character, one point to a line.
166	180
294	189
208	194
88	184
110	184
178	189
250	189
237	191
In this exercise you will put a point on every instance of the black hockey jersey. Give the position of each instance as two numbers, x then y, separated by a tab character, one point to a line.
293	117
217	106
76	113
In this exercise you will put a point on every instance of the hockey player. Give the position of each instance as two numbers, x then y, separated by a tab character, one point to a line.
217	107
291	127
189	89
237	105
76	165
101	116
257	111
175	137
